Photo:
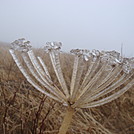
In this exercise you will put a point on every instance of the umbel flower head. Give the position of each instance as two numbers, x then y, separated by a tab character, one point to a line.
21	45
106	78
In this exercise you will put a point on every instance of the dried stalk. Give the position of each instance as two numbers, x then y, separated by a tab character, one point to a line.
67	120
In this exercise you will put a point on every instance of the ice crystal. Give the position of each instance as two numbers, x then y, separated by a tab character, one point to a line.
52	46
128	64
112	57
95	52
132	63
81	52
21	45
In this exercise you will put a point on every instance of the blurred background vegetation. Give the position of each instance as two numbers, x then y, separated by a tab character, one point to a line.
24	110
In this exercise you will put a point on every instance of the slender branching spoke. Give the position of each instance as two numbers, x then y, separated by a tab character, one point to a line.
107	82
109	98
74	74
101	87
110	76
95	78
111	88
38	68
57	68
88	88
90	73
86	78
87	97
48	84
43	82
91	83
44	67
35	62
77	81
47	73
32	70
29	79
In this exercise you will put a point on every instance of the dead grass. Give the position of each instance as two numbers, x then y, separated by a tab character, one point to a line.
24	110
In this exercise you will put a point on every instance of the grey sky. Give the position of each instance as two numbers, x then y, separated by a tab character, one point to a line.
91	24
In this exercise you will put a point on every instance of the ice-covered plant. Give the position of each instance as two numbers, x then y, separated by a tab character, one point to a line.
107	77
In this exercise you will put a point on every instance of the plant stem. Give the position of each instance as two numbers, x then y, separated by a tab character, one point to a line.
67	120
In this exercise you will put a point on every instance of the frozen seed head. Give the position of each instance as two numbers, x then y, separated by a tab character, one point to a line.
21	45
50	46
81	53
112	57
126	68
95	53
128	65
132	62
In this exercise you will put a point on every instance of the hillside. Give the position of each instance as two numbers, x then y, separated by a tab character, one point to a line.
25	110
4	44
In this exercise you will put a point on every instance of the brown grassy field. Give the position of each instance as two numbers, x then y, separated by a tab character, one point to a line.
24	110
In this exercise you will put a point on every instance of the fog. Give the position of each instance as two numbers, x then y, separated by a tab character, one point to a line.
90	24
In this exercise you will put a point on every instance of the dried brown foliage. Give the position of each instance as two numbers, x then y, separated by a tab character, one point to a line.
24	110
